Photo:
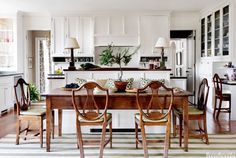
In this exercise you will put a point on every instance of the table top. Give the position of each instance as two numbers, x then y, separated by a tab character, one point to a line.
63	92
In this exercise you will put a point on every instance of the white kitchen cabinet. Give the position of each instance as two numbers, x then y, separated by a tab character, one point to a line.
58	35
78	27
55	83
216	36
151	28
117	29
179	82
6	93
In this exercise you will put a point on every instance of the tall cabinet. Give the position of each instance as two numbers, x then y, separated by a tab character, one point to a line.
215	33
216	43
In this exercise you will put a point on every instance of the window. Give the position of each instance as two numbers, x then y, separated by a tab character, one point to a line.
7	50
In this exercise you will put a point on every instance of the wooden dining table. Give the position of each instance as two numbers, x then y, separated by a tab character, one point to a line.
62	99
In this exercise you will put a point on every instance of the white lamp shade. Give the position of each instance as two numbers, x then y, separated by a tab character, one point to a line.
161	43
71	43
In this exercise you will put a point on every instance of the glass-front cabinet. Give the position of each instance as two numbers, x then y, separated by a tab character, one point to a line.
215	28
7	53
217	33
209	35
225	30
203	37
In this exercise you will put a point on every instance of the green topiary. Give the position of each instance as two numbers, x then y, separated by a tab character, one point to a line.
34	92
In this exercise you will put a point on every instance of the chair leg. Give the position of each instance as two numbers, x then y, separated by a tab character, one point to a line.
200	126
219	109
205	130
167	140
53	124
26	131
174	124
110	129
41	132
79	140
136	135
102	140
215	107
144	141
18	131
180	131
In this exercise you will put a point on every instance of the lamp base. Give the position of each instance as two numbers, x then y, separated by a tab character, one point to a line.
162	65
71	68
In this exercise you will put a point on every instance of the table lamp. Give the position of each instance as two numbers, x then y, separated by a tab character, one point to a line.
162	43
71	43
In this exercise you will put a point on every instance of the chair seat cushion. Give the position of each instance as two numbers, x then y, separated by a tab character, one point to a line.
191	111
137	116
98	120
34	112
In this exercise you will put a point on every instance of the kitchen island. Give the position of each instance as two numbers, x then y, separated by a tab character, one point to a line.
121	119
114	73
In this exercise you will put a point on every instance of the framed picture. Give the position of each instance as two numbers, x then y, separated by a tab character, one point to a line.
30	63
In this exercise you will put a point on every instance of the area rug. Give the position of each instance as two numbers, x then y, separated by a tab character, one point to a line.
123	147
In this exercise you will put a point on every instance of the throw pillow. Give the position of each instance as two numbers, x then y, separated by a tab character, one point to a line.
110	83
144	81
80	81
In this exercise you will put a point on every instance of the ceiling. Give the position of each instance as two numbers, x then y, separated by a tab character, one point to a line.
50	6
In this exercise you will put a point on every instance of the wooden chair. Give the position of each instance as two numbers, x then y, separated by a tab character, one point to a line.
153	115
219	95
25	113
196	112
88	114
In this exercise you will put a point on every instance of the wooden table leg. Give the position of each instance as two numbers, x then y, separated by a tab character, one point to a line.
48	123
59	122
185	118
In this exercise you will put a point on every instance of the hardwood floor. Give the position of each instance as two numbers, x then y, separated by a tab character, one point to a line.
223	126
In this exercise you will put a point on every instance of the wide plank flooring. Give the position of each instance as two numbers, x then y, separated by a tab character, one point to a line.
223	126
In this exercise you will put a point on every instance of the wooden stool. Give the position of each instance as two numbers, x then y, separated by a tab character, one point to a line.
221	97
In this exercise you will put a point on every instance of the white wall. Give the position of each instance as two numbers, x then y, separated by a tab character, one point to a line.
36	22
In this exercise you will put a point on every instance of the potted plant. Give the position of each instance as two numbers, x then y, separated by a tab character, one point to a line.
34	93
122	56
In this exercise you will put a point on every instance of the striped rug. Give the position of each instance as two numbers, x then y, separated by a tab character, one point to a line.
123	147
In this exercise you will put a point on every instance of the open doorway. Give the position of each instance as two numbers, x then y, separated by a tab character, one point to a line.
184	57
39	62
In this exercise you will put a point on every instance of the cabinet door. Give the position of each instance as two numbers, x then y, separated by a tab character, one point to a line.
151	28
58	35
116	25
101	24
2	98
86	36
225	31
203	37
6	93
73	26
209	35
131	24
8	96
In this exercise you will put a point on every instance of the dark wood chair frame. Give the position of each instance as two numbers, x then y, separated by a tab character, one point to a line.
91	116
23	103
221	97
154	104
203	92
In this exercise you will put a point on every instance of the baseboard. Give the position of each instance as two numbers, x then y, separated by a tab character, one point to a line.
114	130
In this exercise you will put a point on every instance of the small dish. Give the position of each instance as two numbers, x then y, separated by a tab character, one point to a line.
67	89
